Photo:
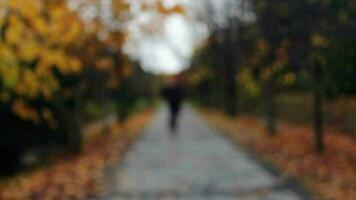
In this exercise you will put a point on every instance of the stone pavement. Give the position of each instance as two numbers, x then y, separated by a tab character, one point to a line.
197	163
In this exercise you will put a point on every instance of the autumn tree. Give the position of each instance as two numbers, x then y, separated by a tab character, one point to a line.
225	23
47	52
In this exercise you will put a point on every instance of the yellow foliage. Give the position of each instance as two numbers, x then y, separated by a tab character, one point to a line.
113	82
29	85
49	118
40	26
198	75
9	69
248	83
28	50
28	9
51	86
121	6
104	64
262	47
266	73
343	16
25	112
5	97
289	79
127	70
43	36
319	41
14	34
176	9
11	75
74	65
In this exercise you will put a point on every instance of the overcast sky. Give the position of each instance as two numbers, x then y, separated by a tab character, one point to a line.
169	50
163	44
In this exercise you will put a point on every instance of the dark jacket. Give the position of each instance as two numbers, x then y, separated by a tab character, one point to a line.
174	96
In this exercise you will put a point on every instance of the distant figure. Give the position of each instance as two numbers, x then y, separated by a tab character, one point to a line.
173	94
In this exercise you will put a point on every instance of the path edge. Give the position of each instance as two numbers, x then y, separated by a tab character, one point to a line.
289	182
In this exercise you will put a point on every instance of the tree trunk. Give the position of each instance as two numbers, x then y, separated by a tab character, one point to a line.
125	101
230	84
70	125
74	134
74	125
268	103
219	51
69	115
230	91
318	108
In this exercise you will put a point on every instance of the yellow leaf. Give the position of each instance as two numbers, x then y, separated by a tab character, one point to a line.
319	41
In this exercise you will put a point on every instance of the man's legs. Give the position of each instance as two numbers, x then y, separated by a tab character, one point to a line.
173	120
175	109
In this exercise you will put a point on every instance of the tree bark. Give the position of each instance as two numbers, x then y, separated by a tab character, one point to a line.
230	92
269	109
318	108
230	85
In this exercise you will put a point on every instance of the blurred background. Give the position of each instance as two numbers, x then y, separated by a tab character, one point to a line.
73	70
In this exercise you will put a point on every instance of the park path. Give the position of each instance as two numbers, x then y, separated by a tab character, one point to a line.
198	163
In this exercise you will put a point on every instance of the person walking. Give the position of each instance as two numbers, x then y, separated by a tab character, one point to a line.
173	94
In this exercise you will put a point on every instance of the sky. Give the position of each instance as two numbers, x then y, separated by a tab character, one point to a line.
168	48
164	44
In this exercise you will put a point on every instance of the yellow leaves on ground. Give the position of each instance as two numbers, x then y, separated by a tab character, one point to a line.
331	175
77	177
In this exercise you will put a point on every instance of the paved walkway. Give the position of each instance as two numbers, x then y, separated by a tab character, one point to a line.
196	164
